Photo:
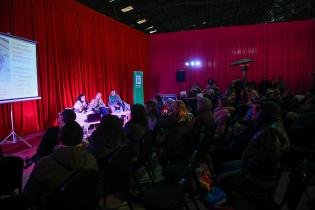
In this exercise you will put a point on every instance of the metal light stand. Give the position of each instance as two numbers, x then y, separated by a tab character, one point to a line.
13	134
244	68
243	64
190	77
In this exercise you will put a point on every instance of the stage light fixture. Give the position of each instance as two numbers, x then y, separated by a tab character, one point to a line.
151	27
152	32
127	9
141	21
193	63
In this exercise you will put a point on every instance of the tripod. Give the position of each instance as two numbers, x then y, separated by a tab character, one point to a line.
15	137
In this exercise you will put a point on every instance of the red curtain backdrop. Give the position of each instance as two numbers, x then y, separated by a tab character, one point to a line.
79	51
280	49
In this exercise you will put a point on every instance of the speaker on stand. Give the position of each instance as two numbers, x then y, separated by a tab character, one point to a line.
181	78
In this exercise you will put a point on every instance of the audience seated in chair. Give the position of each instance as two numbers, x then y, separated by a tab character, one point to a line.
303	127
152	114
107	137
136	128
105	141
11	168
178	143
159	103
51	171
205	118
50	138
261	159
222	114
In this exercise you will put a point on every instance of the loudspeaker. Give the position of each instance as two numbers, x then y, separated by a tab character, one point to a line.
180	76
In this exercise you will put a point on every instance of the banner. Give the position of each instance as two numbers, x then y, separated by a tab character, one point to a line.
138	87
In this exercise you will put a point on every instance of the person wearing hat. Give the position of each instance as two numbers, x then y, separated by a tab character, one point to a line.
50	138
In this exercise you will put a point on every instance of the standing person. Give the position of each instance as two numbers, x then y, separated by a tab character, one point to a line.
98	105
116	104
81	104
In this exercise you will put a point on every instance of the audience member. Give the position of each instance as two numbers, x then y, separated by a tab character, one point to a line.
253	104
159	103
178	142
51	171
247	151
210	94
281	84
195	87
136	128
264	86
152	114
167	108
204	119
303	127
260	163
222	114
50	138
107	137
273	84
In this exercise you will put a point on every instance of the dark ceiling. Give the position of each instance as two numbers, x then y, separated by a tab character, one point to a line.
174	15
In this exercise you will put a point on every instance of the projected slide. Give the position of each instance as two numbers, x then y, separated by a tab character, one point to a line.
18	69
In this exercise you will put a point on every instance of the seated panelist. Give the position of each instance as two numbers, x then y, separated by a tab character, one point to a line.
116	104
98	105
81	105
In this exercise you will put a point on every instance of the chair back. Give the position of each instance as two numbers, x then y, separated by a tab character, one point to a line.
117	170
11	174
16	202
146	148
78	192
205	139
